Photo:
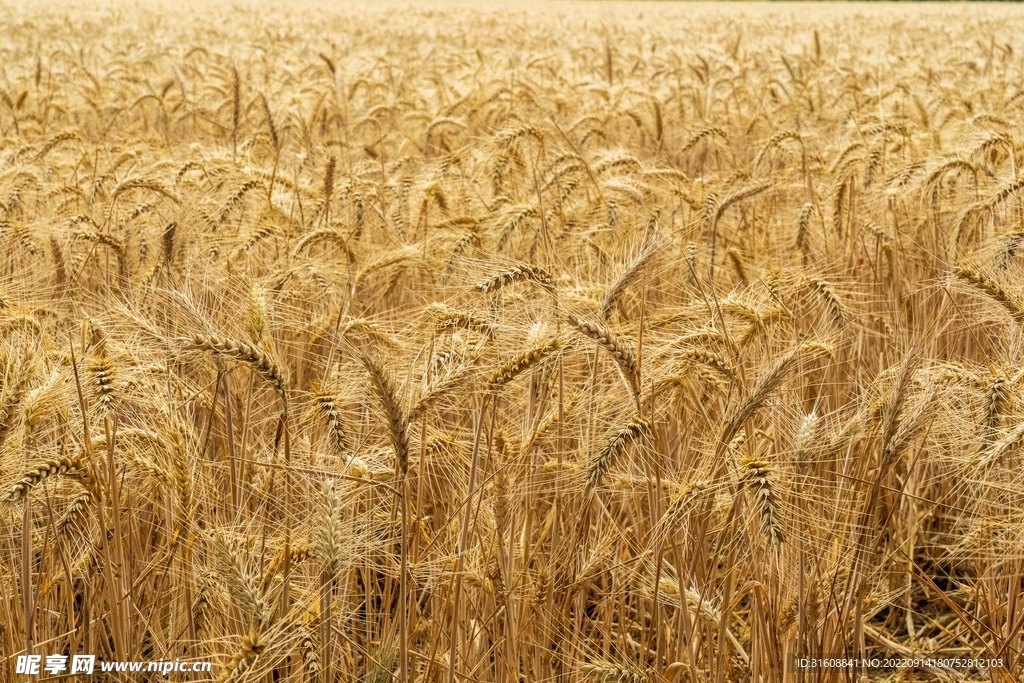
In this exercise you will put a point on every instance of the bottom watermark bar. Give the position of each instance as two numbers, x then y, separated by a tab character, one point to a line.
56	665
962	663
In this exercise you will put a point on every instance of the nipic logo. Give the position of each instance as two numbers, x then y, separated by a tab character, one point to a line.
30	665
34	665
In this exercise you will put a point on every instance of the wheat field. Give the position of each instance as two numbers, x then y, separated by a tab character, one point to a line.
583	342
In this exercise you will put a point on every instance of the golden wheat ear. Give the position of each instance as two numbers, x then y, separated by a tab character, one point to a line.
519	363
249	354
621	350
602	462
525	273
761	481
63	466
977	279
394	413
251	647
325	405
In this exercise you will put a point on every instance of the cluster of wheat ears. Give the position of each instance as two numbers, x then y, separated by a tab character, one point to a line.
608	343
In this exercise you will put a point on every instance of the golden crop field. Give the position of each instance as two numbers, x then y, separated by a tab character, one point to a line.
584	342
